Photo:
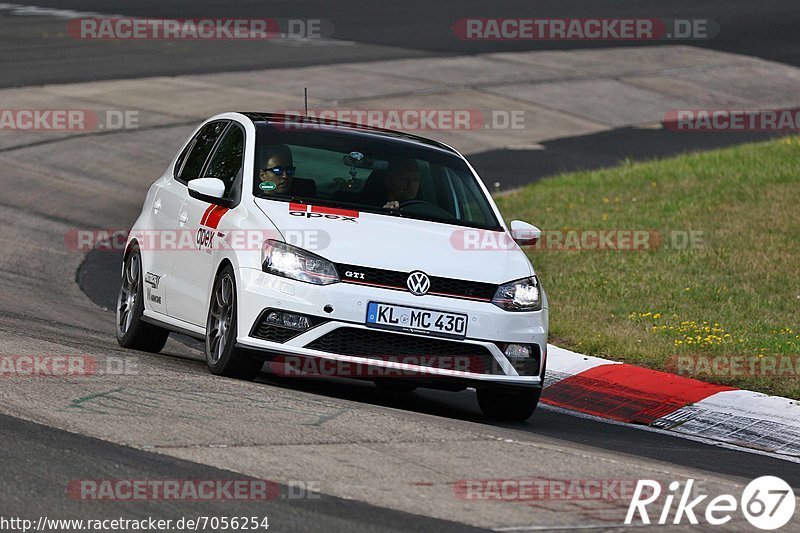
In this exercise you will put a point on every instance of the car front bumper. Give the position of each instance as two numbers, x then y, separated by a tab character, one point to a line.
344	305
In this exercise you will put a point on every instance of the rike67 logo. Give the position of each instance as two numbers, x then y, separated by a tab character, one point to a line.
767	502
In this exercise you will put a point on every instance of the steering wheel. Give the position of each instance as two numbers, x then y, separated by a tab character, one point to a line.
411	202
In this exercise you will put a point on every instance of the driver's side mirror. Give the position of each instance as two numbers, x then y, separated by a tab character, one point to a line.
211	190
525	234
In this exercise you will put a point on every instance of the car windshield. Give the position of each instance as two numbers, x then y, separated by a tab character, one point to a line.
368	173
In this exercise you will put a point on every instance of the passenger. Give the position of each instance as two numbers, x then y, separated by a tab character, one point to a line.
278	170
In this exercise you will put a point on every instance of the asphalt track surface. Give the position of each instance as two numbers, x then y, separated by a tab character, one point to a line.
32	486
42	310
38	50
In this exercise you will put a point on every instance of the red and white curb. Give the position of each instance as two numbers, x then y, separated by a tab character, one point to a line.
635	395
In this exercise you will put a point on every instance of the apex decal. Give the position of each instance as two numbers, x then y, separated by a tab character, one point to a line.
317	211
207	234
205	239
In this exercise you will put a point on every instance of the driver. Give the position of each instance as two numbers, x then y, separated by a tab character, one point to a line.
401	182
277	171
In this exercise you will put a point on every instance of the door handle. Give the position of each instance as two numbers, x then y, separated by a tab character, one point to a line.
183	218
157	206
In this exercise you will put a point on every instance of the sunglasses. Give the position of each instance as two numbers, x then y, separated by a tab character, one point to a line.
280	170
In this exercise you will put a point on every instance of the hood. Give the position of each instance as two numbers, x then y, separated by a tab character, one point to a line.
396	243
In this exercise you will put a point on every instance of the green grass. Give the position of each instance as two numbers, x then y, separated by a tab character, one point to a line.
737	294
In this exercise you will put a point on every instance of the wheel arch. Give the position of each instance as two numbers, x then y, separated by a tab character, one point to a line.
129	248
226	262
132	244
222	264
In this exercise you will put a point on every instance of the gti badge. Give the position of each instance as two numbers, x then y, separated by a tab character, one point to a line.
418	283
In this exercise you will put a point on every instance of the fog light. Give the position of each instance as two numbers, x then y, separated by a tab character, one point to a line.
287	320
295	321
518	351
275	317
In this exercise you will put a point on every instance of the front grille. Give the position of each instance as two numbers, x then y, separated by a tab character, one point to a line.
420	351
271	332
392	279
462	289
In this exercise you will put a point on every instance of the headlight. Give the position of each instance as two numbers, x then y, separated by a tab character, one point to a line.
291	262
521	295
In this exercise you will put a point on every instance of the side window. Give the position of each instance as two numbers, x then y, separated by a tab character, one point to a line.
191	164
227	162
465	200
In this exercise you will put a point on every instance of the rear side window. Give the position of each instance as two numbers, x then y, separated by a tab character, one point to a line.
226	163
191	162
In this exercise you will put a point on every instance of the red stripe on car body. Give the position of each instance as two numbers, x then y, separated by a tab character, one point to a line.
215	216
205	215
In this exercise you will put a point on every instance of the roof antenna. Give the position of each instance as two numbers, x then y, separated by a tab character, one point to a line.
305	91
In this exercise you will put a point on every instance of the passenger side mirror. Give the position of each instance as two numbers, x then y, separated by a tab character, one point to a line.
209	190
525	234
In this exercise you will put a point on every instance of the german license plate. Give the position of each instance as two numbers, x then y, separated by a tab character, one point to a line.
415	320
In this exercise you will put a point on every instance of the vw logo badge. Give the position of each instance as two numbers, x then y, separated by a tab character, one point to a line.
418	283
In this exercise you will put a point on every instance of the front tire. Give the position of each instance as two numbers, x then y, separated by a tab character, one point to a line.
132	331
508	404
222	356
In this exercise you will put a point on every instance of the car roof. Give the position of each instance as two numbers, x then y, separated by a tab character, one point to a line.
328	125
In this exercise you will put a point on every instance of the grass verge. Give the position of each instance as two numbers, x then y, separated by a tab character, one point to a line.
715	292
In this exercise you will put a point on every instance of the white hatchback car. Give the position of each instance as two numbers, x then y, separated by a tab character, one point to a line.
337	249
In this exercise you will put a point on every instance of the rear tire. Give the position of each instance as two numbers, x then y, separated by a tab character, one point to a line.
132	331
508	404
222	356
